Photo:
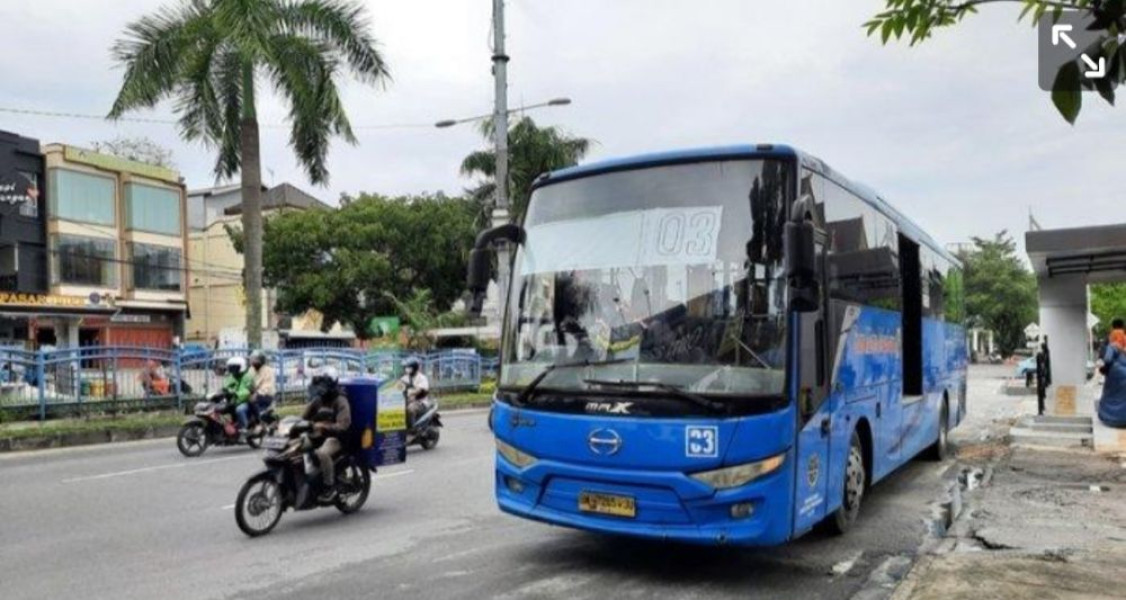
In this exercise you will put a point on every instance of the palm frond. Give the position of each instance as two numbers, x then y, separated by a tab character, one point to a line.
228	86
153	51
482	162
304	71
341	25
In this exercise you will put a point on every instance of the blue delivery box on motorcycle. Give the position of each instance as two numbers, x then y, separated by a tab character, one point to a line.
379	420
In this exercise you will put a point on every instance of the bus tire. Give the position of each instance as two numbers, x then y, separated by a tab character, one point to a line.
852	491
941	446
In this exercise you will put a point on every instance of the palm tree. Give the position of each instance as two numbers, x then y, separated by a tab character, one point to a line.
532	150
213	57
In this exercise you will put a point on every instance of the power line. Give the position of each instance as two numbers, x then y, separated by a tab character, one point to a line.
216	267
91	117
134	263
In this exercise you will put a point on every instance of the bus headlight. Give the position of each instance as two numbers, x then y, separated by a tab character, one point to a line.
519	458
729	477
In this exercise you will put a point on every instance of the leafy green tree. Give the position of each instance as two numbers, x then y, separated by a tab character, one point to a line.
532	151
1108	302
421	317
213	57
917	20
351	264
1000	290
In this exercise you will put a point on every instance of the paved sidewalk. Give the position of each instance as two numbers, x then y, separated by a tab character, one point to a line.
1037	523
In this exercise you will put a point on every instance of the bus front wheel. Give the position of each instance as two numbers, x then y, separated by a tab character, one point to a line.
855	482
941	447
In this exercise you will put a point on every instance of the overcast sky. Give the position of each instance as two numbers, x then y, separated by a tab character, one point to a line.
955	132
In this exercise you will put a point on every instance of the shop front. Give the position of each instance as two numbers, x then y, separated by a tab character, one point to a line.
45	321
23	230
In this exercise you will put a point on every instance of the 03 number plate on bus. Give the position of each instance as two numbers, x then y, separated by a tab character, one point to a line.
607	504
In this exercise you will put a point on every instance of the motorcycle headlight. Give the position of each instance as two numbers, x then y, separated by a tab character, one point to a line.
729	477
517	457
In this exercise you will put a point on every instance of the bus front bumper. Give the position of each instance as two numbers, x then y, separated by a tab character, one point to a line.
669	505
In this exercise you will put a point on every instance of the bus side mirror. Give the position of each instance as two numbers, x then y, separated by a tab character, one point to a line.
480	272
481	261
800	251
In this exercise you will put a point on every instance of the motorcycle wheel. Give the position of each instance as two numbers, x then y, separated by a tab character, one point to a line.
353	485
255	441
259	506
429	439
192	439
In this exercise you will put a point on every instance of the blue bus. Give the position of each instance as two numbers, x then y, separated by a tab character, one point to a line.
723	346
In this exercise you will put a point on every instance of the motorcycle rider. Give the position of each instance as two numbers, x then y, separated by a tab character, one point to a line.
265	386
416	387
237	386
325	394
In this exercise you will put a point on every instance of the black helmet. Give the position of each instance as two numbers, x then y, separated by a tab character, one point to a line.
324	383
412	363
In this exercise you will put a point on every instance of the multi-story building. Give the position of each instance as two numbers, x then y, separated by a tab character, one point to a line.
218	299
23	238
116	240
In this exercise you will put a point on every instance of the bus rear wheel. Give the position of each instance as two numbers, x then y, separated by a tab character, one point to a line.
855	484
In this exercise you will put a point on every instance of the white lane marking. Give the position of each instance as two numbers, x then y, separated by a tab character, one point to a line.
393	474
227	507
843	567
149	469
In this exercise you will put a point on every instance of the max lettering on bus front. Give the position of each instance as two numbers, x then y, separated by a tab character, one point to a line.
701	441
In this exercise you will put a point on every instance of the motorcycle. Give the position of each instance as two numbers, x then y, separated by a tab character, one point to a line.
292	479
212	424
424	430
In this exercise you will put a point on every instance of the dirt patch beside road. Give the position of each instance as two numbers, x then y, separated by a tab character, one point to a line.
999	576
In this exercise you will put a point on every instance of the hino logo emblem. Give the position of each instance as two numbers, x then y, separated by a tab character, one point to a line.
604	442
609	408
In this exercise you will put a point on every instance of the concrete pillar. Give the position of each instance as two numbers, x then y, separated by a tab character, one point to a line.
1063	319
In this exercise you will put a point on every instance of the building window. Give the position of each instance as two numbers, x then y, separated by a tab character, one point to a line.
86	261
153	209
30	206
9	269
156	267
863	254
82	197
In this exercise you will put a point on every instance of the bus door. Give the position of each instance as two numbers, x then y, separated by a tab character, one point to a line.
814	415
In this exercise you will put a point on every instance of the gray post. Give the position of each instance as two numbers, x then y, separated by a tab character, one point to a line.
500	138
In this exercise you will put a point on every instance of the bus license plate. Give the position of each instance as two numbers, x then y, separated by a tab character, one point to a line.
275	443
607	504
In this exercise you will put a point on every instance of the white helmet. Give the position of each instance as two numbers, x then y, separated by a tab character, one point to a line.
236	365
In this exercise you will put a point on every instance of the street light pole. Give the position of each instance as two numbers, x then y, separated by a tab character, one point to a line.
500	137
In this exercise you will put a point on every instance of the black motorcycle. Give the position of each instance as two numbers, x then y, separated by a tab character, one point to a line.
292	479
212	424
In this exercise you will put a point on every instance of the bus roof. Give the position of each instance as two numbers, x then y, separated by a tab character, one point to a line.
742	151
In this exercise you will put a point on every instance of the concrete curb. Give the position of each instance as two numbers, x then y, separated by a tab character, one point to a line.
109	436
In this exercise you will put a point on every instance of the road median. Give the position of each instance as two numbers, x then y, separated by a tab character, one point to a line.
62	433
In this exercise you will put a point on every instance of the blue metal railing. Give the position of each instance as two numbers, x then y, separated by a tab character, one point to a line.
92	377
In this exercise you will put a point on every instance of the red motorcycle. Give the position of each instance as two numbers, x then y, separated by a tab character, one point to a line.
213	424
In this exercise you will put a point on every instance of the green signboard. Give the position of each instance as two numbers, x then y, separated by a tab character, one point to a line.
385	331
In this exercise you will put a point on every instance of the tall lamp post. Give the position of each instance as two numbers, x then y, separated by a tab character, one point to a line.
500	214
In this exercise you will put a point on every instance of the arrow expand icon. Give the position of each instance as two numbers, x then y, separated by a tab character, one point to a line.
1059	32
1097	69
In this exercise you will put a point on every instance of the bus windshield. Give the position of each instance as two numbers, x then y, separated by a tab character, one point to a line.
669	275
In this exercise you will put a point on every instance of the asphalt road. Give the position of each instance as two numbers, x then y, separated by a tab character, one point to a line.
137	520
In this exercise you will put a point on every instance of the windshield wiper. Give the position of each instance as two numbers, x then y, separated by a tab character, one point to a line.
677	391
526	393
